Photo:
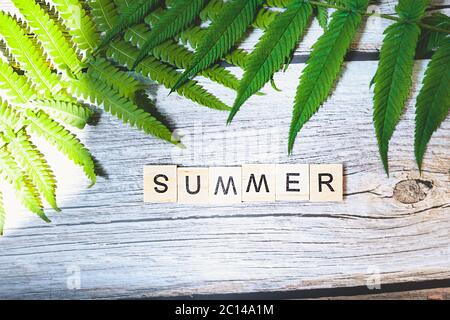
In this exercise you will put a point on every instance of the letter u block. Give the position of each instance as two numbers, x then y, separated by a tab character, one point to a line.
193	185
160	184
225	185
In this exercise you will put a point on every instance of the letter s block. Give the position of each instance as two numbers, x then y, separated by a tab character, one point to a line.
225	185
160	184
193	186
326	182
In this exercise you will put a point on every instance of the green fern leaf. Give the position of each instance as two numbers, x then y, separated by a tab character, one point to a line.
272	51
324	65
2	214
430	39
125	54
433	101
68	112
101	94
222	35
9	118
34	165
42	125
179	56
23	187
79	25
173	21
14	88
393	77
123	82
104	13
28	55
133	14
322	16
50	36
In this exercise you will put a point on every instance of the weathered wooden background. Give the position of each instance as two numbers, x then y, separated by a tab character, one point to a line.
107	243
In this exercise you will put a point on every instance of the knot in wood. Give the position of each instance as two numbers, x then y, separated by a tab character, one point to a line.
412	190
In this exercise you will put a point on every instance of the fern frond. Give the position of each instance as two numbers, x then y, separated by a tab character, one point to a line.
132	15
322	16
324	65
104	13
68	112
34	165
429	39
23	187
14	88
79	25
98	93
393	77
42	125
125	54
2	214
9	118
58	48
173	21
272	51
222	35
123	82
28	55
179	56
433	101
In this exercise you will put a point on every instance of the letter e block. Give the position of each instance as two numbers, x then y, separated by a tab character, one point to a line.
326	182
193	186
258	182
292	182
160	184
225	185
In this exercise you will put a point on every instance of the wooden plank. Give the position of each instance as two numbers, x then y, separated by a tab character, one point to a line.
108	244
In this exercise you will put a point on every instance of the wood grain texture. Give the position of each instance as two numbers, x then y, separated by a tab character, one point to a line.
108	244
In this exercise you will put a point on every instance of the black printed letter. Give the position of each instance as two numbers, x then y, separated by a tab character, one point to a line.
289	182
162	184
198	186
328	182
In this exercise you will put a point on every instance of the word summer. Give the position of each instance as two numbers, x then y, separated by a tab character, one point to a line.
248	183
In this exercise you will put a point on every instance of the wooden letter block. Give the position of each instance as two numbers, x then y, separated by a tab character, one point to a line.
292	182
225	185
160	184
258	182
193	186
326	182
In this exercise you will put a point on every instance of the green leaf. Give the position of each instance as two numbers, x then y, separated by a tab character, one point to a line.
58	48
68	112
133	14
101	94
104	13
123	82
23	187
42	125
222	35
14	88
125	54
272	51
34	165
79	25
393	77
324	65
322	16
172	22
28	55
430	39
433	101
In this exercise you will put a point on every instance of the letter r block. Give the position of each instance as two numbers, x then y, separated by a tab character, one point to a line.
326	182
193	186
225	185
258	182
160	184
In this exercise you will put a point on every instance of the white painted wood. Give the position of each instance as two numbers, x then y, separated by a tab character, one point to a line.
109	244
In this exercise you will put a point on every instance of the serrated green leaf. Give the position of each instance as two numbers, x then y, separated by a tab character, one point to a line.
68	112
324	65
104	13
271	52
433	101
222	35
179	16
